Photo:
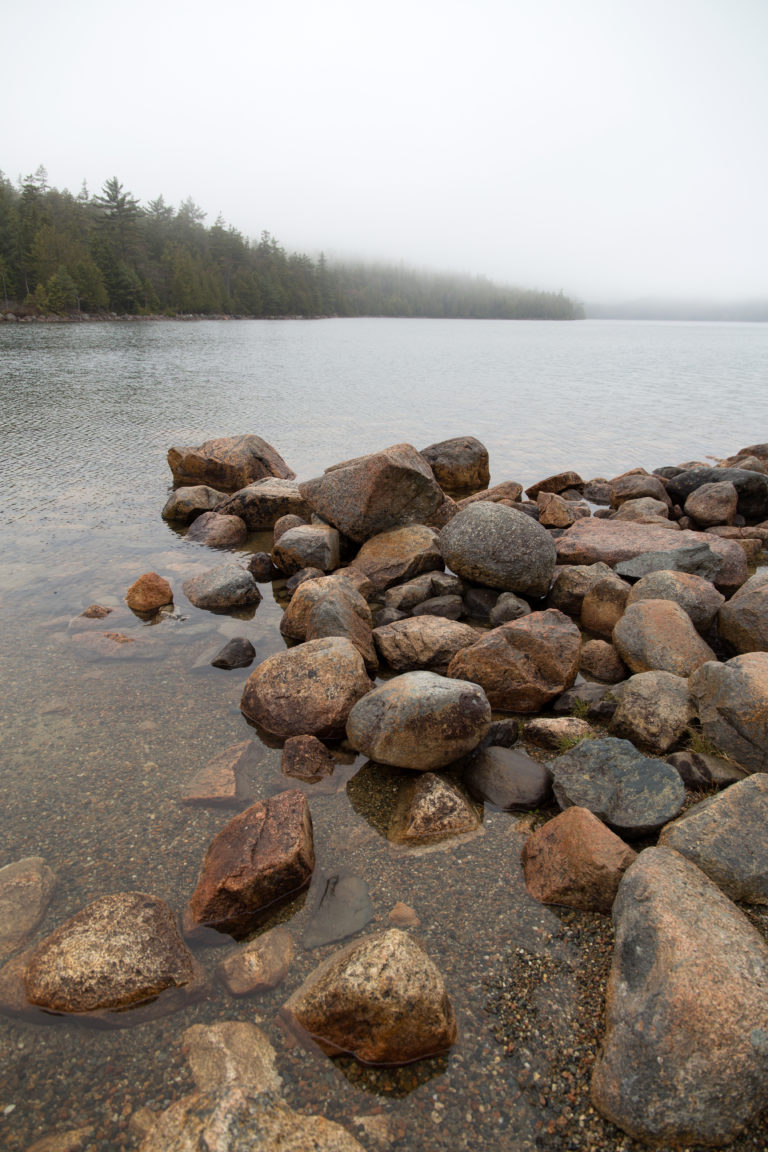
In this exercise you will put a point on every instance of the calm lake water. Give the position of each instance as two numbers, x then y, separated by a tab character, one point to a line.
95	754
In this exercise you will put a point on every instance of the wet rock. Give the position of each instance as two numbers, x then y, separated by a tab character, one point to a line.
752	488
695	595
523	665
658	635
92	616
375	493
265	502
685	1057
493	545
419	720
631	793
403	916
655	712
186	504
120	953
430	809
381	999
422	642
115	646
230	1052
732	699
225	779
217	531
508	607
508	779
459	464
398	555
309	546
306	758
229	463
743	620
508	492
308	690
261	857
222	588
574	860
344	909
73	1140
712	504
149	593
557	483
26	887
260	965
724	835
700	771
237	653
262	569
447	607
603	606
557	731
593	701
637	484
600	659
571	584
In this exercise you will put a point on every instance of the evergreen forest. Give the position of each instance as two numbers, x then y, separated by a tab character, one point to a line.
102	254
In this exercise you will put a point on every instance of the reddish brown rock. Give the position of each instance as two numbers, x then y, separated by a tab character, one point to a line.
599	659
259	965
263	856
635	485
523	665
576	861
657	635
558	483
603	606
460	464
732	700
148	593
713	504
217	531
306	758
743	620
399	555
508	492
230	463
695	595
556	512
310	593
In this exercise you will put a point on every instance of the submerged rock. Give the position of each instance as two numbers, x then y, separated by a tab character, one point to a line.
230	1052
26	887
236	653
508	779
218	531
344	909
306	758
260	965
430	809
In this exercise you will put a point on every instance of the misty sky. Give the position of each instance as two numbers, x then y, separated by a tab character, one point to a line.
611	148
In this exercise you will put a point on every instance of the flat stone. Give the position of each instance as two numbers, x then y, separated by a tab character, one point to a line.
508	492
658	635
230	1052
222	588
555	731
344	909
508	779
732	699
115	646
229	463
493	545
26	887
260	965
430	809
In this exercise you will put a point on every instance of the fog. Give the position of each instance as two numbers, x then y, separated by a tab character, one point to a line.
611	149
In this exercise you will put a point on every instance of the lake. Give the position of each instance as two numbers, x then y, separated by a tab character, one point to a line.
95	753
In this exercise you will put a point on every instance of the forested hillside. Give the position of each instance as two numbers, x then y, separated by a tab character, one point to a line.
107	253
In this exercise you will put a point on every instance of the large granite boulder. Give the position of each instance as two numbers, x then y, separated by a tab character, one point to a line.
420	642
399	555
229	463
222	588
186	504
743	620
685	1056
713	504
381	999
26	887
732	699
218	531
655	712
631	793
658	635
752	488
261	857
310	593
308	546
264	502
375	493
430	809
459	464
525	664
113	960
309	690
493	545
419	720
695	595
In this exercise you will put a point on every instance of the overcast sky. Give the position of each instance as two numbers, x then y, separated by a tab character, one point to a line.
611	148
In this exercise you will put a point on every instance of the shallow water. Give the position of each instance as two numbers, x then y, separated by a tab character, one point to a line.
95	754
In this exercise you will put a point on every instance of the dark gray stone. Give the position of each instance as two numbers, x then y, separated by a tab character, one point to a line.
344	908
698	559
507	779
238	653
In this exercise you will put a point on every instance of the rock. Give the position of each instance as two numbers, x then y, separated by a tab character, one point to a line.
700	771
404	597
149	593
508	607
631	793
508	779
309	546
115	646
645	510
571	584
73	1140
26	887
557	731
403	916
655	712
261	857
308	690
684	1059
230	463
260	965
600	659
236	1120
752	488
419	720
230	1052
381	999
459	464
732	699
496	546
593	701
262	504
225	779
398	555
603	606
503	733
657	635
343	612
186	504
695	595
344	909
422	642
306	758
524	665
724	835
375	493
615	542
223	588
557	512
310	593
430	809
446	607
743	620
217	531
634	485
237	653
558	483
302	577
115	958
262	569
574	860
712	504
479	603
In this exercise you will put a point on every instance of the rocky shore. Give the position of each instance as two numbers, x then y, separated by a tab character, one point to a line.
593	653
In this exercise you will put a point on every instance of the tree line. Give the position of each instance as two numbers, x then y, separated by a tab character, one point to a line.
107	253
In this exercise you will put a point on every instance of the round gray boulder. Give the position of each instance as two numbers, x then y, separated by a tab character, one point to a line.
491	544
